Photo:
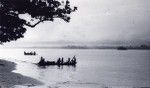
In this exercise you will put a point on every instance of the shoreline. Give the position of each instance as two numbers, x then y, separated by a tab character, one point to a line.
9	79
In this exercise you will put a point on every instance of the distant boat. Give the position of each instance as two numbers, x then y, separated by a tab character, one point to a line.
121	48
30	53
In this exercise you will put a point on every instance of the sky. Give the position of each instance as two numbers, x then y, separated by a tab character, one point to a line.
97	21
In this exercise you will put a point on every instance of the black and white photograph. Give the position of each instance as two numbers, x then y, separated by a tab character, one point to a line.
74	43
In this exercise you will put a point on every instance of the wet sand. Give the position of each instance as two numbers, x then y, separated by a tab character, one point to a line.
9	79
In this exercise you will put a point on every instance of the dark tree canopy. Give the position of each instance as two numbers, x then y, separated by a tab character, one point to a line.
12	26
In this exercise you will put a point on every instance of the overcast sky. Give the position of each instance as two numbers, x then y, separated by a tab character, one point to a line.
98	20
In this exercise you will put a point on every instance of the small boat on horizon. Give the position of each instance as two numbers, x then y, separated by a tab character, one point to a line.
30	53
121	48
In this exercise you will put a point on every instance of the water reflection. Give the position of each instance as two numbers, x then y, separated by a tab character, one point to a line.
72	67
61	67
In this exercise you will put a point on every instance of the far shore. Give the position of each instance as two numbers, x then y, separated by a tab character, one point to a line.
9	79
82	47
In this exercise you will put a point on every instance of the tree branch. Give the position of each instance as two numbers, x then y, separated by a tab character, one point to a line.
30	25
42	20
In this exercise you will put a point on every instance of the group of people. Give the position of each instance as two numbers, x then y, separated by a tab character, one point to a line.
60	61
68	62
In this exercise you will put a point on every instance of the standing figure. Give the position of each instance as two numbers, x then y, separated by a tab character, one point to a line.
42	62
68	62
62	60
58	61
74	60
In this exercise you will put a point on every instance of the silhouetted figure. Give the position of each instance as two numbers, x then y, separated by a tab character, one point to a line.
24	53
58	61
34	53
42	62
68	61
74	60
62	60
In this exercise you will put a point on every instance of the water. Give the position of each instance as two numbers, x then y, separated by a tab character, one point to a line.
95	68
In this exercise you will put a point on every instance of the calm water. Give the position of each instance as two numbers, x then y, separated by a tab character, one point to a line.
95	68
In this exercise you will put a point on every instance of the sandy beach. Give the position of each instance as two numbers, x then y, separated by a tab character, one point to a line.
9	79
